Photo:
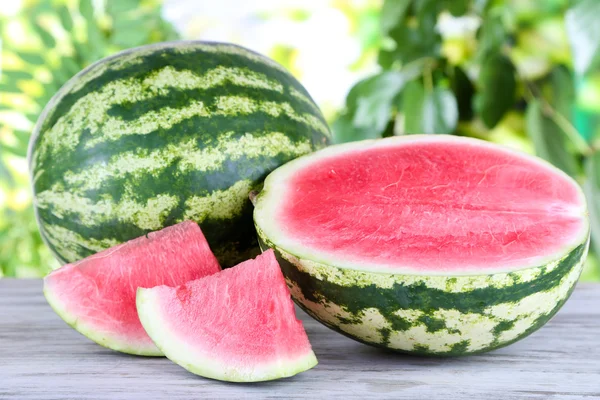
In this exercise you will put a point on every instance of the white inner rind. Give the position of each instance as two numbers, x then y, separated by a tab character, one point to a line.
86	328
191	358
277	186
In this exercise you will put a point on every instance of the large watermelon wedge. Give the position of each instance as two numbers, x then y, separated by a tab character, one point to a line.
164	133
426	244
96	296
238	325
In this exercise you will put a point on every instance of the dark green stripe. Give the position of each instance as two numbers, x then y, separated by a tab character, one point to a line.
238	233
418	296
197	61
171	181
356	299
178	98
206	132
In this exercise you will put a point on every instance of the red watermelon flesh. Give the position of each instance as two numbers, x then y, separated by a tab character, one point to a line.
237	325
97	294
434	204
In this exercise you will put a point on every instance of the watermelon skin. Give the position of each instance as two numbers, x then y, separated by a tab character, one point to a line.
431	315
248	334
439	311
159	134
96	296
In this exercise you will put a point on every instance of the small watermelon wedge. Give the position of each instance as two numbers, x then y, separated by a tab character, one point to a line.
238	325
96	295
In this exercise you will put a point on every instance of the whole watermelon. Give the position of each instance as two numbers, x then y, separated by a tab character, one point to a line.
159	134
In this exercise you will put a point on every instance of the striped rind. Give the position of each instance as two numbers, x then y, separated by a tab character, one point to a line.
431	315
178	352
405	309
158	134
105	339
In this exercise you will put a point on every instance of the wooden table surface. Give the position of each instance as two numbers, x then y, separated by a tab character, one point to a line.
43	358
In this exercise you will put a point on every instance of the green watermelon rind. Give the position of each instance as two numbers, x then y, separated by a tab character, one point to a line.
104	339
185	356
430	315
90	199
425	314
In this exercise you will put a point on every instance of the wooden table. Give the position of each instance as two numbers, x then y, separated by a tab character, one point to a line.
43	358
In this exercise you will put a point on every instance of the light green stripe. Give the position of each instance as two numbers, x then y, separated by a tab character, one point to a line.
89	112
220	204
457	284
188	156
225	48
476	328
229	106
233	105
303	98
145	216
164	118
68	243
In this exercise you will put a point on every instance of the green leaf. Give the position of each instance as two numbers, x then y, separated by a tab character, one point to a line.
59	77
70	65
84	53
65	17
370	101
344	130
116	7
413	44
46	38
95	38
591	187
9	86
421	40
583	31
479	6
385	58
563	91
457	7
86	9
433	111
464	90
15	75
31	58
549	139
96	42
19	151
33	117
491	36
497	89
130	33
392	13
5	174
22	136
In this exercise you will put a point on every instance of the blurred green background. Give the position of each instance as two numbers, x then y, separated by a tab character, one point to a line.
521	73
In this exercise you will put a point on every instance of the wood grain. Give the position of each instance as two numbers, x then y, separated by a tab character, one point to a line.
42	358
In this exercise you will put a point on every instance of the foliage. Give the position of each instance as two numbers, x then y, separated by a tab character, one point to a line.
42	47
516	72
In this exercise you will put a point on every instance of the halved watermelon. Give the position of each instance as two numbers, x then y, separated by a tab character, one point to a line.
238	325
96	295
429	244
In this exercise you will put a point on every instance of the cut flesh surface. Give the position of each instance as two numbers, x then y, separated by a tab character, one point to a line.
238	325
97	294
423	204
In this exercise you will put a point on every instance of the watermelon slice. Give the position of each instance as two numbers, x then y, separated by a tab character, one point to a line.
96	295
429	244
238	325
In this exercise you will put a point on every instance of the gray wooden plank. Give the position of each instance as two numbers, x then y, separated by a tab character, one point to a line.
42	358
